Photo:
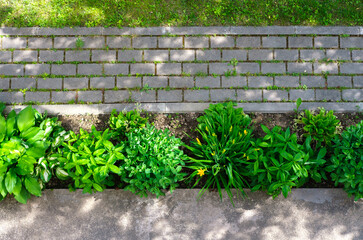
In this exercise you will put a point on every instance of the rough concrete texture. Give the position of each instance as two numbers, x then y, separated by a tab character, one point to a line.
116	214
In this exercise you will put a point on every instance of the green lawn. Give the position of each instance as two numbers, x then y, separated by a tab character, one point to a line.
145	13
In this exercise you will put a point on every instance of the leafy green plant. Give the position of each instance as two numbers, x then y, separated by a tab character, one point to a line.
346	164
26	140
125	122
88	159
153	161
220	154
79	43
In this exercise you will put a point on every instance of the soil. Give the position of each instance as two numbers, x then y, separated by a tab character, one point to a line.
184	127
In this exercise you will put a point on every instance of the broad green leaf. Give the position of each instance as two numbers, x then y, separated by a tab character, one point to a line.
61	174
23	196
97	187
285	190
115	169
26	119
32	185
265	129
10	181
45	175
10	123
286	155
2	128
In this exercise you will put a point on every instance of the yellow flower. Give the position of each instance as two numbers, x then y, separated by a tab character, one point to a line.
206	129
201	172
213	153
248	158
244	155
199	142
233	141
224	150
230	129
245	132
257	149
214	135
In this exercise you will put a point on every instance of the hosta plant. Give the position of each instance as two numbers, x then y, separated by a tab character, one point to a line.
26	140
153	161
346	165
219	156
89	159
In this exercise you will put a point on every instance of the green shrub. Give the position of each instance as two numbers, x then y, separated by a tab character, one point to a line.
220	153
125	122
26	141
153	161
346	164
88	159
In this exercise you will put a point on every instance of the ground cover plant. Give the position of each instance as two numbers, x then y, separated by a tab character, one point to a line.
145	13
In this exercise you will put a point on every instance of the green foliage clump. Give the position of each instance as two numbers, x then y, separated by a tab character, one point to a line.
124	122
88	159
26	140
153	161
346	164
221	152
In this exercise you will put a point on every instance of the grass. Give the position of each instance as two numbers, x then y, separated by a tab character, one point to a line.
145	13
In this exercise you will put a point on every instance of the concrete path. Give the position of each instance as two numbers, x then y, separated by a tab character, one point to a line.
187	66
115	214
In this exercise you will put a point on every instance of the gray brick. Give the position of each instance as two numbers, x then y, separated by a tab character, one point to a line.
351	68
142	68
326	42
196	42
14	42
196	95
334	54
353	94
11	97
41	97
248	68
12	69
313	81
228	55
116	96
119	42
312	54
139	96
194	68
249	95
300	67
286	81
329	95
221	95
25	56
325	67
51	56
212	82
63	97
358	81
305	95
170	42
41	43
156	55
260	55
102	82
182	55
90	69
4	83
248	42
64	69
116	68
273	67
357	55
129	55
93	42
168	68
220	68
89	96
49	83
155	82
65	42
37	69
300	42
144	42
260	81
181	82
208	55
351	42
5	56
275	95
78	56
103	55
222	42
128	82
287	55
23	83
274	42
234	81
170	96
75	83
339	81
